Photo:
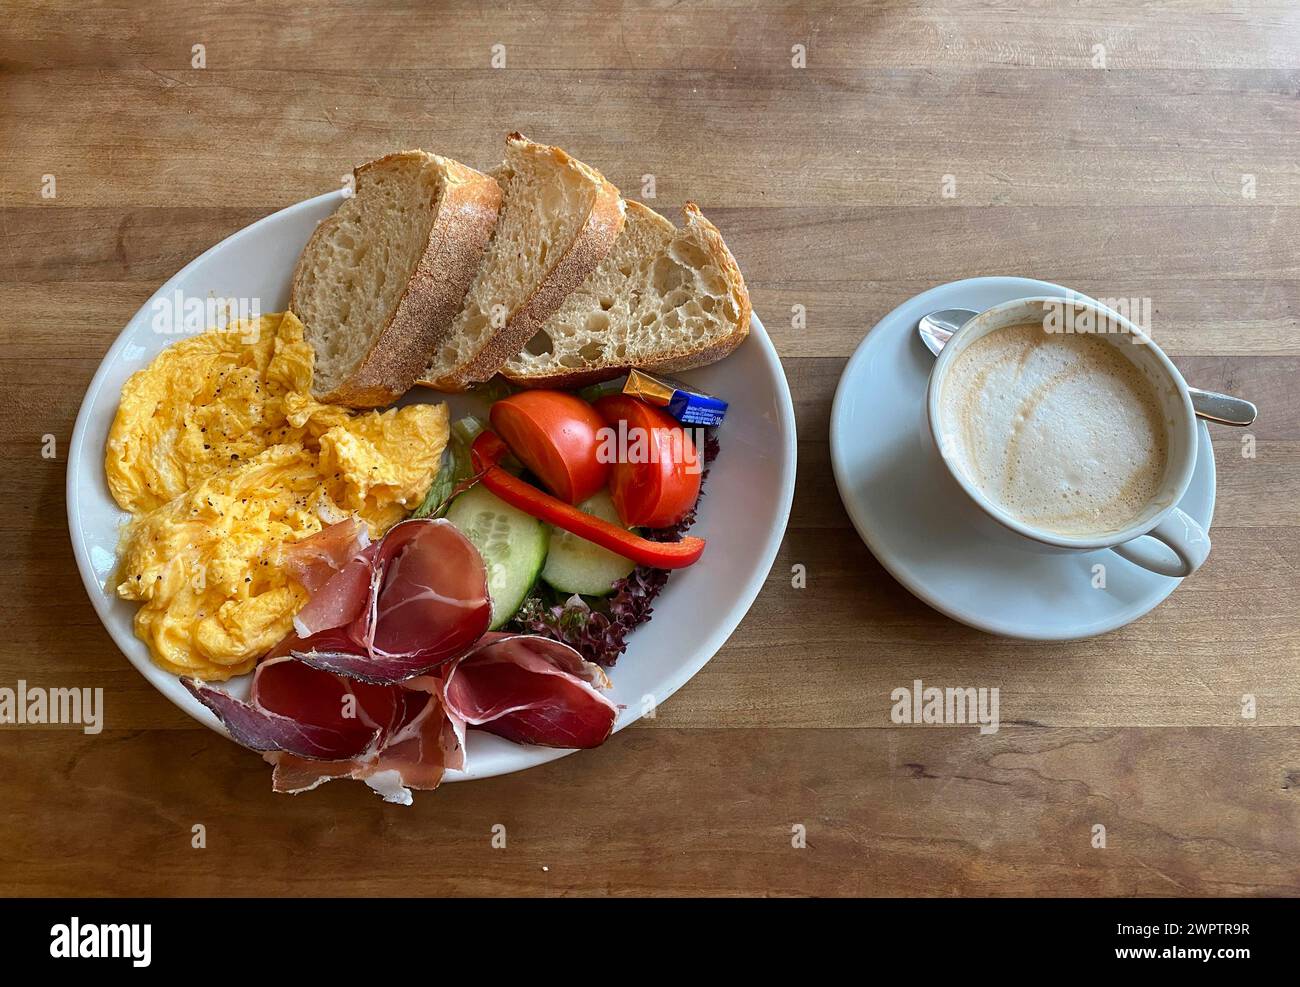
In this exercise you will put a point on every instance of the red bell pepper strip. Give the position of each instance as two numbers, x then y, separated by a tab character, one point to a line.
488	450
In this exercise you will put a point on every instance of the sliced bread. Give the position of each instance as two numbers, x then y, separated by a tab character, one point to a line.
559	219
664	299
381	280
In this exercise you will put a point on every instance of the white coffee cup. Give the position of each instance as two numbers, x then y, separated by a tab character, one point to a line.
1163	538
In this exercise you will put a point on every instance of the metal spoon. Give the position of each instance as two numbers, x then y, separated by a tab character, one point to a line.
937	328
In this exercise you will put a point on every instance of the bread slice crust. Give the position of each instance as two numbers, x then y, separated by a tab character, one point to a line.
467	210
684	357
595	239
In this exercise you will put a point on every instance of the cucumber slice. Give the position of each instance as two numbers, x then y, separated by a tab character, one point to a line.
512	543
575	565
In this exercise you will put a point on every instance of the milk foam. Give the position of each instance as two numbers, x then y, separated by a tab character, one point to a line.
1060	430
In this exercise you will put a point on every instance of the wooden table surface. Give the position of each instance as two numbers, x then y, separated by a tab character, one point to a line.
1123	149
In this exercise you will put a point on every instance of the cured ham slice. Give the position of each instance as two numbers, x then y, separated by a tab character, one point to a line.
339	602
417	754
334	566
425	603
314	726
433	598
315	559
302	711
530	690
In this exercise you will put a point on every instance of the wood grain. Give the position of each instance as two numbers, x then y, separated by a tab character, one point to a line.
1122	181
888	812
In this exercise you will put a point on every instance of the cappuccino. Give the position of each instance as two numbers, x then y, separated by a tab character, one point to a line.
1060	431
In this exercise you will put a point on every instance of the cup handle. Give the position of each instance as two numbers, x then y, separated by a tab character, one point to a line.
1183	546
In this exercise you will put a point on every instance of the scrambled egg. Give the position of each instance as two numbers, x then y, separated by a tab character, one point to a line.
222	456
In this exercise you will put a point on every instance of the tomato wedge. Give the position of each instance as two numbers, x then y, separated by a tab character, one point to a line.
555	435
657	480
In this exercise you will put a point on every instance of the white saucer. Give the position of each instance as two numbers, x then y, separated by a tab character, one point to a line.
923	529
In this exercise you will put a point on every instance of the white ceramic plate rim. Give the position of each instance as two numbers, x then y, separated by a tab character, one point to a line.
1068	632
684	671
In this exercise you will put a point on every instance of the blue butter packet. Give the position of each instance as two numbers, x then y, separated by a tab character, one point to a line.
687	406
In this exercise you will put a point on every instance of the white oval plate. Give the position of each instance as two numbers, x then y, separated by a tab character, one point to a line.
921	526
743	514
